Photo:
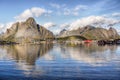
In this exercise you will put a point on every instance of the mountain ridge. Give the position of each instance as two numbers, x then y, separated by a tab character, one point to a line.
91	32
28	31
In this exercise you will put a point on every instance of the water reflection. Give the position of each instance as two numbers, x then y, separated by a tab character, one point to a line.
27	53
90	53
25	56
54	60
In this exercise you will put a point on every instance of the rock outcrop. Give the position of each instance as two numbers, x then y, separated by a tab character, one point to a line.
28	31
91	32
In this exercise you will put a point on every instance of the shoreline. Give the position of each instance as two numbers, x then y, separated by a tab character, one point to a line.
75	42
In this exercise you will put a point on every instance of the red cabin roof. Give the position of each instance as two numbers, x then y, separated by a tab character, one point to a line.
87	41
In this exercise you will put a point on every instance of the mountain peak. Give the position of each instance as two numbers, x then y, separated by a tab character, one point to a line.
28	31
31	20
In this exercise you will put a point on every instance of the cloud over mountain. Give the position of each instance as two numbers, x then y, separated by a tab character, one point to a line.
3	27
65	25
93	20
49	24
33	12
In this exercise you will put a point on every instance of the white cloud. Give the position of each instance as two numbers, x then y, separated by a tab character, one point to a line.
60	27
80	7
9	24
56	31
93	20
116	14
27	13
49	25
37	11
66	11
33	12
55	5
65	25
4	27
49	11
1	25
74	11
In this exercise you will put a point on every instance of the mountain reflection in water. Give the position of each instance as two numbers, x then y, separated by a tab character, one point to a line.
27	53
91	53
60	61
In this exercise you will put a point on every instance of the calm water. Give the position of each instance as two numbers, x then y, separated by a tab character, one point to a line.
59	62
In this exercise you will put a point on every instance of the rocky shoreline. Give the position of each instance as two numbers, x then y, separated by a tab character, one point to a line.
7	43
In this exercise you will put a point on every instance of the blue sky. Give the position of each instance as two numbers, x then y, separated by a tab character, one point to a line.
58	14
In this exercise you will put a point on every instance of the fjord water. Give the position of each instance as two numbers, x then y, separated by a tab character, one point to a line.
59	62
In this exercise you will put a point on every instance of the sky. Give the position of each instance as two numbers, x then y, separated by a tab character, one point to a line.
56	15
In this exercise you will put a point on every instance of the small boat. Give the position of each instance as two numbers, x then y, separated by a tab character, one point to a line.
110	42
117	41
101	42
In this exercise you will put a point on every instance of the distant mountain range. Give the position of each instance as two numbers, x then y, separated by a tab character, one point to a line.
91	32
29	31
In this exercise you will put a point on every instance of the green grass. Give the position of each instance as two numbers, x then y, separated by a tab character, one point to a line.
71	38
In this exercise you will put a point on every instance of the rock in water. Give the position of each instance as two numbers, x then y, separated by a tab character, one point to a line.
28	31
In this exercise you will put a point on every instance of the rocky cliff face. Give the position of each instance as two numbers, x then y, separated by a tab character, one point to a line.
91	32
28	31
